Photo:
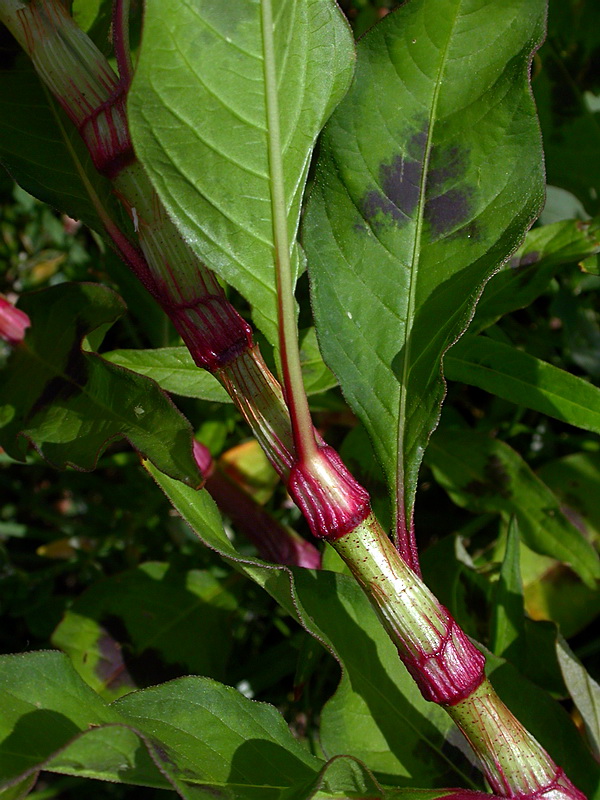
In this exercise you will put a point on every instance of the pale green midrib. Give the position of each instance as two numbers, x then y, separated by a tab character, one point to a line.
401	488
288	335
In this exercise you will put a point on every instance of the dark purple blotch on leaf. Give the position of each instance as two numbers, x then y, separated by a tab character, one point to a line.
448	199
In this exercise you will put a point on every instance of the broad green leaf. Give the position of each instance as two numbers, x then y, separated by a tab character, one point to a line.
548	721
530	270
191	734
585	693
508	620
175	371
430	172
377	714
175	618
524	379
219	738
198	121
69	403
43	151
485	474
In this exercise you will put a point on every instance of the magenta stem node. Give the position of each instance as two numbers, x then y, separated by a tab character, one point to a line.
332	501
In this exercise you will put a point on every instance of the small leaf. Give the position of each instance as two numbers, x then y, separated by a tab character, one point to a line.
429	174
584	690
199	126
521	378
70	403
174	370
485	474
529	271
508	620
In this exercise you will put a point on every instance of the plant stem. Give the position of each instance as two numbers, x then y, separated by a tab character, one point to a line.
121	46
295	395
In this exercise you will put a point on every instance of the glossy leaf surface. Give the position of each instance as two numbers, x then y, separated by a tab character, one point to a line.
429	174
199	124
524	379
485	474
69	403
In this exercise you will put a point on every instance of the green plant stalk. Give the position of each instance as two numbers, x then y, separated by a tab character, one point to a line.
448	669
446	666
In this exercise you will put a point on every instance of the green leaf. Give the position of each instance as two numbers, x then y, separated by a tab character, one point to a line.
198	122
530	270
43	151
485	474
516	376
164	615
175	371
508	620
317	375
585	693
69	403
430	172
192	734
377	714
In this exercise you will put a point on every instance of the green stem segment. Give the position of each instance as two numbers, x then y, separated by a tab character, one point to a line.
295	395
449	670
443	661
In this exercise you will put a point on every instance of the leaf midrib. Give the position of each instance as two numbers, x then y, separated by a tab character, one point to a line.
400	504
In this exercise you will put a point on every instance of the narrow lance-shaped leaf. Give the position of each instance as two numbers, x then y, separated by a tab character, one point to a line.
531	268
524	379
198	121
429	174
